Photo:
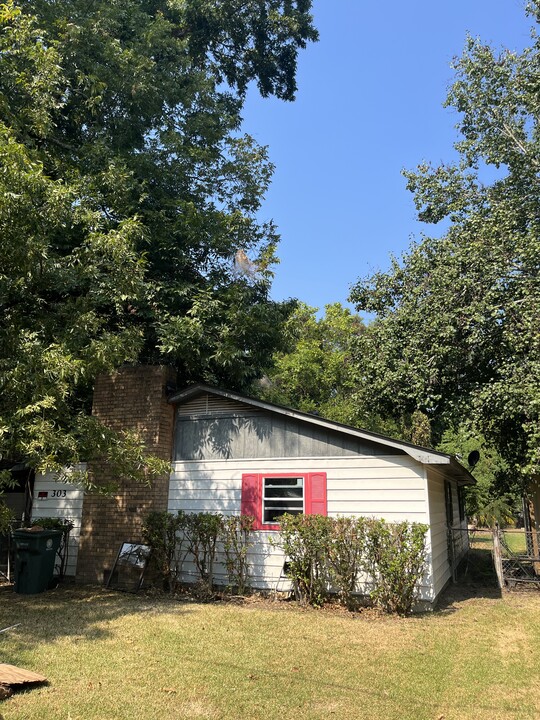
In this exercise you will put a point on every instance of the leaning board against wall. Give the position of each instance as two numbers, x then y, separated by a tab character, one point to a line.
60	500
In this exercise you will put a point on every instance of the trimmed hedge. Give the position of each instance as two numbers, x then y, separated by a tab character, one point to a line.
324	555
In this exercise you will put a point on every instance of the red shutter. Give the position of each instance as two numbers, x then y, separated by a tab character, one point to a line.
316	494
251	498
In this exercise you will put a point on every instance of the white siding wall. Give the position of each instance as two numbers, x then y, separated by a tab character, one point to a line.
442	572
393	488
60	500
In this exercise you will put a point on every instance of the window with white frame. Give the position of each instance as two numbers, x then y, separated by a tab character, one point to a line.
282	495
267	496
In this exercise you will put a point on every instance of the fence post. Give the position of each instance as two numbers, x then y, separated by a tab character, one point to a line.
497	556
533	545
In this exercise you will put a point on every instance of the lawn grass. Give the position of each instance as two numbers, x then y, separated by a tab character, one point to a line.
516	541
115	656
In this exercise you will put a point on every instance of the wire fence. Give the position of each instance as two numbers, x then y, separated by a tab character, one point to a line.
507	557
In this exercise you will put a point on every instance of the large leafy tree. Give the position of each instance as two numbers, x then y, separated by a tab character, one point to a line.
318	370
457	328
126	192
314	371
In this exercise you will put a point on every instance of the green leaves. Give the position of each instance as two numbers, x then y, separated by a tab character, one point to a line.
251	40
126	191
30	82
305	540
161	531
174	537
457	331
396	562
237	539
325	553
315	371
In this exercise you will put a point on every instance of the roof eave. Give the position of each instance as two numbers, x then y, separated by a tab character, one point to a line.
422	455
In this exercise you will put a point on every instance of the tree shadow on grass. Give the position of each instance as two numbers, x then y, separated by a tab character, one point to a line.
476	578
65	612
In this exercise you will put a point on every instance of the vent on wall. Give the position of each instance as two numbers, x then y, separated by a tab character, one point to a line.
213	405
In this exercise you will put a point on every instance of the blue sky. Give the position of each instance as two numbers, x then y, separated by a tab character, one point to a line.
369	104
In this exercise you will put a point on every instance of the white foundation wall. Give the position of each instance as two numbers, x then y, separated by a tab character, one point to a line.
392	487
53	499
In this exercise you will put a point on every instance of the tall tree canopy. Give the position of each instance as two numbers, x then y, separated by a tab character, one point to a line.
457	329
126	191
314	372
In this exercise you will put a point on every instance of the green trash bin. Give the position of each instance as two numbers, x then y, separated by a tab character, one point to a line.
34	560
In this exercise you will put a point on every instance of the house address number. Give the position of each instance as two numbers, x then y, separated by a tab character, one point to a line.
59	493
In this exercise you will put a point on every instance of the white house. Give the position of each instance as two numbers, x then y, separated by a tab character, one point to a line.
233	454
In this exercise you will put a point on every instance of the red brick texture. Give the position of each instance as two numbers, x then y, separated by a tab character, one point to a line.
134	398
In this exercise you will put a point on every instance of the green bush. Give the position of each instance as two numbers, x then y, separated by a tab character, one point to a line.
54	523
305	540
6	518
202	531
321	553
174	537
236	532
324	553
346	557
162	531
395	559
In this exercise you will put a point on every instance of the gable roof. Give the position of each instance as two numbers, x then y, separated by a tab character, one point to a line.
423	455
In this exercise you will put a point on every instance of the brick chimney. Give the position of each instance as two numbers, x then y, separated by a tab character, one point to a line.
134	398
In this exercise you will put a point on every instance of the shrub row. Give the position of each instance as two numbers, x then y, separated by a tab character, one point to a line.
323	554
175	537
336	553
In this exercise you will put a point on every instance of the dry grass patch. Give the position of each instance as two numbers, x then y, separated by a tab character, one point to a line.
118	657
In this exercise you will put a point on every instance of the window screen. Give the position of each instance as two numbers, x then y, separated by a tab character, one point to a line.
282	495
